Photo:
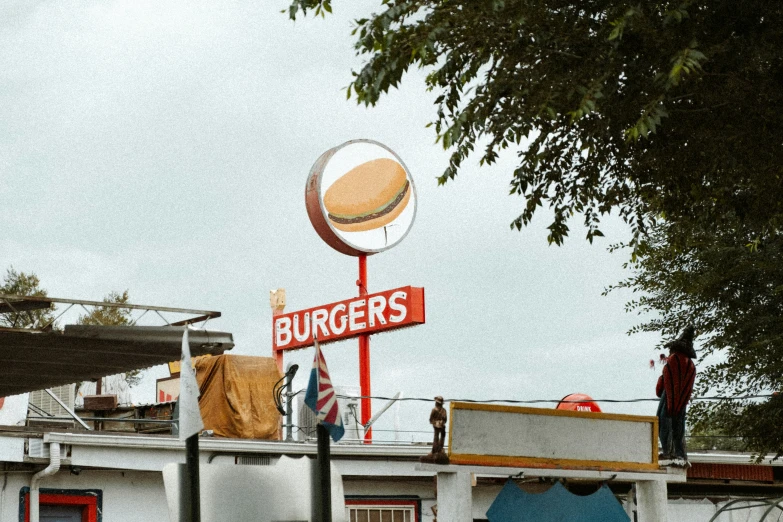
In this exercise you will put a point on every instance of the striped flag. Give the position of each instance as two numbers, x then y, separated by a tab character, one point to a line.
321	398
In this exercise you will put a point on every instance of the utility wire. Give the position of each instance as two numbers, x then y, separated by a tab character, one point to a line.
298	428
540	401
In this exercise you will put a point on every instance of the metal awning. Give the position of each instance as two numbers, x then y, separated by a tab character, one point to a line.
10	305
34	360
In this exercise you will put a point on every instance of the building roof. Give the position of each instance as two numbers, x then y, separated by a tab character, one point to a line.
153	452
34	360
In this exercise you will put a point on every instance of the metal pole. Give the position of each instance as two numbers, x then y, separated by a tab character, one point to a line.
67	409
277	302
364	356
289	408
190	502
323	489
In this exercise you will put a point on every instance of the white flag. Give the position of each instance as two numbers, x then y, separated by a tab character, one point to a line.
190	422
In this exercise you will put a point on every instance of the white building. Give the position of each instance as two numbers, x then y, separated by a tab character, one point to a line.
119	477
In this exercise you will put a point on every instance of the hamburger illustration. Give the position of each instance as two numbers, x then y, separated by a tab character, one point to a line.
369	196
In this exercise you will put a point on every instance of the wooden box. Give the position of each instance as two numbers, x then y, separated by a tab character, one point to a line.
100	402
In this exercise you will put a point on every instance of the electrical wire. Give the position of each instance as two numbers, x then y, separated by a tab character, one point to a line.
39	411
307	429
557	401
277	394
540	401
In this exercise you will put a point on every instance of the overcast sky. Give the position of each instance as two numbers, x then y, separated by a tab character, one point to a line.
163	148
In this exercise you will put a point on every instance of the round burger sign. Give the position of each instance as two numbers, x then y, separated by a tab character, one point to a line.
360	198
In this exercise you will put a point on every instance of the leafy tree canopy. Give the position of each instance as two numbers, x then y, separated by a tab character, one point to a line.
109	315
731	288
666	112
20	283
662	108
113	316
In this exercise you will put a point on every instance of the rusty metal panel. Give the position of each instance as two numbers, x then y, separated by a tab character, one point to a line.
754	472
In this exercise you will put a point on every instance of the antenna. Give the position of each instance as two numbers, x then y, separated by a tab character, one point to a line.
382	411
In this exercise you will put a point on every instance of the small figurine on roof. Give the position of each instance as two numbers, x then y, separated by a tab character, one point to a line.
674	388
438	419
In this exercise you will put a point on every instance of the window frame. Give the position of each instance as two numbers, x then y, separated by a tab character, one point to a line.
91	500
382	502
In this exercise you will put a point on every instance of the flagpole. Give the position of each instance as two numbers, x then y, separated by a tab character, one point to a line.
190	426
322	399
323	491
193	506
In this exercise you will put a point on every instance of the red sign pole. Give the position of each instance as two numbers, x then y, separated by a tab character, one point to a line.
364	355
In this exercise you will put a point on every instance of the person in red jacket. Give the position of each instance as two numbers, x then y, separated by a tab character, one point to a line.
674	388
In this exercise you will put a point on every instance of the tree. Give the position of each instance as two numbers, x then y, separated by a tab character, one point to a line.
113	316
20	283
109	315
666	112
730	287
663	108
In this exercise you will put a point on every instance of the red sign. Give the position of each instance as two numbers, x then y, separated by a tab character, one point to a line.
366	314
578	402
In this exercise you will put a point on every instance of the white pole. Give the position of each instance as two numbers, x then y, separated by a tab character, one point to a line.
455	496
652	501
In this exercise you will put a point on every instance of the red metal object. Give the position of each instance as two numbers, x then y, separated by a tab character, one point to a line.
314	211
88	503
754	472
364	355
367	314
578	402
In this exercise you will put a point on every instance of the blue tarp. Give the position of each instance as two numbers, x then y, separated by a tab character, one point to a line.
557	504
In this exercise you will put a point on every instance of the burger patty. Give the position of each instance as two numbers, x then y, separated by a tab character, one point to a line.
385	210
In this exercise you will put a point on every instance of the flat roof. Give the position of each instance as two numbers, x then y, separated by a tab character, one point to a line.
35	360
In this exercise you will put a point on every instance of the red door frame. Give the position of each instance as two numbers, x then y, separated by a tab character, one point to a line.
89	503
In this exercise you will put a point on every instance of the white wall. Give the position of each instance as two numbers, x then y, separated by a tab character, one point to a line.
139	496
128	496
687	510
424	489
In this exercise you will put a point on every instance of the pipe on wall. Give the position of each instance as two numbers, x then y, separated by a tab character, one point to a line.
51	469
2	493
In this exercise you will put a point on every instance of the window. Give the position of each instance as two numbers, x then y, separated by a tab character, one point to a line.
381	510
68	505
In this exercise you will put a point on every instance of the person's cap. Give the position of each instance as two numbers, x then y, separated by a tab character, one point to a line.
439	399
683	347
688	333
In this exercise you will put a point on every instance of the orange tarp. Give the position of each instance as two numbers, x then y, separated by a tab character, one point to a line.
236	396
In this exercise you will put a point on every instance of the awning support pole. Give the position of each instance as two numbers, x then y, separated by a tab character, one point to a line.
67	409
